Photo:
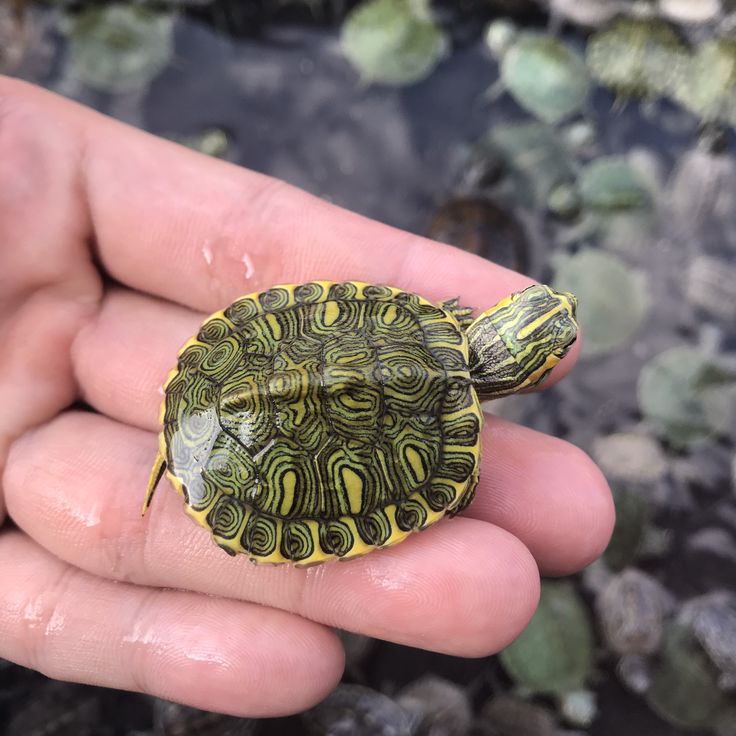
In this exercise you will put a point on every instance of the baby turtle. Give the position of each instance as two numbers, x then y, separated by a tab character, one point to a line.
325	420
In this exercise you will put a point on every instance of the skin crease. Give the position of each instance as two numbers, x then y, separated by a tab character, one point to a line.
87	590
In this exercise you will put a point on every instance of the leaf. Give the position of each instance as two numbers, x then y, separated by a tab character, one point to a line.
554	654
545	77
611	183
612	296
119	48
685	395
392	41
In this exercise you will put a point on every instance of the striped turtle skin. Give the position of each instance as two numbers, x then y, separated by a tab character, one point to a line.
325	420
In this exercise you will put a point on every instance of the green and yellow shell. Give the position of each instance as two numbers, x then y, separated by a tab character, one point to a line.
324	420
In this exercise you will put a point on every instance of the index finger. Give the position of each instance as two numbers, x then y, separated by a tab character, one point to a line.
203	232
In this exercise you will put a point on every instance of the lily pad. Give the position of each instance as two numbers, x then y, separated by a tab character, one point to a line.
613	298
545	77
119	47
636	57
392	42
611	183
686	395
707	88
554	655
684	689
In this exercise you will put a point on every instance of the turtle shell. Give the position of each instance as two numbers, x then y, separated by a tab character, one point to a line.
322	420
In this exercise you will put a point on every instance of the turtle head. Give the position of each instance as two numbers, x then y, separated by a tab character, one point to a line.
515	344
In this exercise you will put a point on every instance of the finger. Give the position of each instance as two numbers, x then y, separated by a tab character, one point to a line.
48	286
534	486
203	232
464	587
221	655
546	492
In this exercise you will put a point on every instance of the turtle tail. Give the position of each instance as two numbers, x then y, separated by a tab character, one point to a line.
159	466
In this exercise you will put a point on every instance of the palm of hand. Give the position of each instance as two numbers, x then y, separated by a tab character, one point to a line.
113	245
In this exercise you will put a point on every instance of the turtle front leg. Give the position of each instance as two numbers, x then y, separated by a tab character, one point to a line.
462	314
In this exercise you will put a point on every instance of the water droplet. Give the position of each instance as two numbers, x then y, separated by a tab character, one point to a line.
207	253
56	624
248	263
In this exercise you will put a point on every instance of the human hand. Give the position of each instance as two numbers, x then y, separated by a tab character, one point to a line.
113	246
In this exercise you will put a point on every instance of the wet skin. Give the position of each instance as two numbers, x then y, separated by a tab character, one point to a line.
88	585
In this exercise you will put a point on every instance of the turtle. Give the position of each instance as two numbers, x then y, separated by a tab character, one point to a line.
324	420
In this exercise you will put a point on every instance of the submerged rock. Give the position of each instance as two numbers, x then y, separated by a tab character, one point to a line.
710	285
354	710
173	719
437	707
478	225
630	458
632	609
508	715
59	709
712	620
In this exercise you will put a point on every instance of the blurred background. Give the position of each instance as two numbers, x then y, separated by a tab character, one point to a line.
588	143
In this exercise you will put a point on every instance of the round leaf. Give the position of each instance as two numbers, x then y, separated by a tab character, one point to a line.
392	42
613	298
119	48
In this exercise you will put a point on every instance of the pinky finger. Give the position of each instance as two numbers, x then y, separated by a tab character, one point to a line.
212	653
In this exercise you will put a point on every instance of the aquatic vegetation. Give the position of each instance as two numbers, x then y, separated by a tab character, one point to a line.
541	72
392	42
118	47
554	654
613	297
686	394
684	689
611	183
707	85
636	57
